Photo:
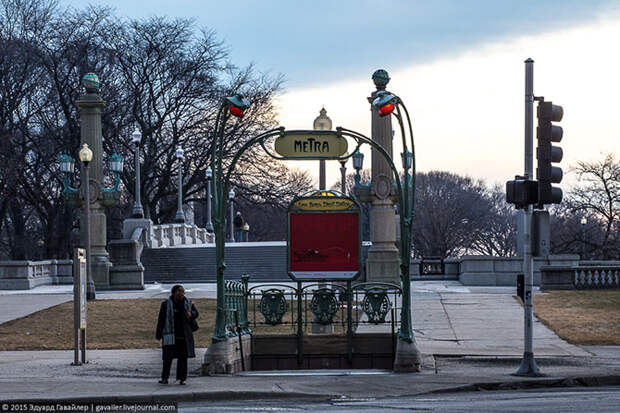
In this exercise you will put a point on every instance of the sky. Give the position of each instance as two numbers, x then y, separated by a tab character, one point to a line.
457	65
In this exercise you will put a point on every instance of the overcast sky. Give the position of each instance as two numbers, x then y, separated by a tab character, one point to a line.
458	66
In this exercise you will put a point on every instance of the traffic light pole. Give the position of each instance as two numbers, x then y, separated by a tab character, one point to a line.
528	364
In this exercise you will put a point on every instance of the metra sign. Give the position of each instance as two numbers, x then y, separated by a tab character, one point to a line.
311	145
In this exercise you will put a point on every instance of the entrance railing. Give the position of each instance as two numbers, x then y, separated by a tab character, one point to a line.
282	308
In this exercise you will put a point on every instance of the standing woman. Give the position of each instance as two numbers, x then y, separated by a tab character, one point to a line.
175	326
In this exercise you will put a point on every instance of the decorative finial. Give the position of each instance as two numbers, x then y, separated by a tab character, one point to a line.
323	112
381	79
91	83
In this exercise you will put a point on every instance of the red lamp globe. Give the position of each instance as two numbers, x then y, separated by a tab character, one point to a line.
235	111
386	109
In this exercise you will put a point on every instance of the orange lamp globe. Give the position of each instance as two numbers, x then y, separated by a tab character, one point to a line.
386	109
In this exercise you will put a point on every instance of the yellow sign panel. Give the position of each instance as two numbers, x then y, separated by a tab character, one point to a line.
311	145
324	204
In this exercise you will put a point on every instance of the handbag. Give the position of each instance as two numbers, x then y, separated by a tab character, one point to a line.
193	324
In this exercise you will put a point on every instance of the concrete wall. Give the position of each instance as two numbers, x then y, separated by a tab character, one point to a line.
492	271
24	275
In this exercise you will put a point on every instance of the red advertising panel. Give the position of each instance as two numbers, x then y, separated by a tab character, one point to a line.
324	237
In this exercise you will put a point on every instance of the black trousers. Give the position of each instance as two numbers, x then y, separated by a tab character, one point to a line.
180	353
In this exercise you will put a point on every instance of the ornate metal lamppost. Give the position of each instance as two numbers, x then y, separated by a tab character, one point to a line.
231	197
209	176
386	103
235	106
583	222
136	138
180	216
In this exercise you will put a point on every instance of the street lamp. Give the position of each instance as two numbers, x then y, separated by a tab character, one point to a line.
236	106
246	231
584	222
136	138
358	163
86	155
231	196
180	216
343	177
209	175
387	103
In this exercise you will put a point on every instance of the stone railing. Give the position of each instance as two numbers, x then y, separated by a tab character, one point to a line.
23	275
173	235
581	277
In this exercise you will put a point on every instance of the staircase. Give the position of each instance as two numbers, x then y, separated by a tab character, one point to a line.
262	261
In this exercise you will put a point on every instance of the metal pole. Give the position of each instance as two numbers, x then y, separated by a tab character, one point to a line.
583	241
232	215
83	334
76	309
240	339
528	364
90	286
138	212
180	217
209	225
343	177
322	175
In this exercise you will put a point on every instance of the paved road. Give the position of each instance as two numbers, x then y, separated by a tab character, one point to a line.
549	400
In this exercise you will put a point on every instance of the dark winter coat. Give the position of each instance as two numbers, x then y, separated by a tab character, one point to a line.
169	351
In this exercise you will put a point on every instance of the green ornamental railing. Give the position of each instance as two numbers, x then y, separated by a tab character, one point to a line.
236	307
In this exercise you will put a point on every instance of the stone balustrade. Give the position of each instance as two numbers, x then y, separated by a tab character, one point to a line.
585	276
175	235
24	275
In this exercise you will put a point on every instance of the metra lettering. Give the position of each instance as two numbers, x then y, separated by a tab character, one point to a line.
311	145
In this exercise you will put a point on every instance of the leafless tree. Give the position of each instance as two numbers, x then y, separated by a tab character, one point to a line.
596	197
167	77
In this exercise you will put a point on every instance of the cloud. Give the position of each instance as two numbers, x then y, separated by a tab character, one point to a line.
468	109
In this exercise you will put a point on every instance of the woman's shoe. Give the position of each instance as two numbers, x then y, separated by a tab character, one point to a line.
163	381
182	382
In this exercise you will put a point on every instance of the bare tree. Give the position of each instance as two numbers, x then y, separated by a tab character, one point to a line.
449	212
165	76
595	197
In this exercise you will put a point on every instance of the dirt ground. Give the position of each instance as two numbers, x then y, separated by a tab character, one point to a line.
590	317
116	324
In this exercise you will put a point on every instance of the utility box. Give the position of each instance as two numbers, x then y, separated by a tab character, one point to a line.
541	235
521	286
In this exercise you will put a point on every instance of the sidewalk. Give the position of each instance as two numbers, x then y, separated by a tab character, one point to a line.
131	375
474	333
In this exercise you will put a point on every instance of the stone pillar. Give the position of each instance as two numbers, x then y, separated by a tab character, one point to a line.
383	257
91	106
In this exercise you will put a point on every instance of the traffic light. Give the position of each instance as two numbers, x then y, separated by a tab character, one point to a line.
521	192
547	154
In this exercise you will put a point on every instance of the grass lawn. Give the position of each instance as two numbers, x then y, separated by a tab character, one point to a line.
583	316
114	324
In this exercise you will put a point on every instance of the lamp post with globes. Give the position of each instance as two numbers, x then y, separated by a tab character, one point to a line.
86	155
209	176
180	216
136	138
584	222
235	106
231	197
408	356
91	107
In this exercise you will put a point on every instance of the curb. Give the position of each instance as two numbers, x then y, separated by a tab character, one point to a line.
178	397
583	381
538	383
